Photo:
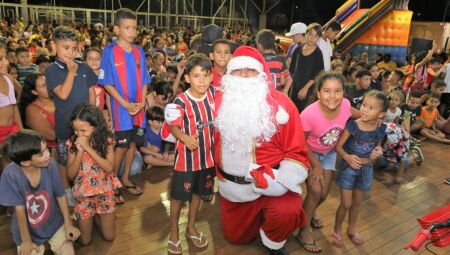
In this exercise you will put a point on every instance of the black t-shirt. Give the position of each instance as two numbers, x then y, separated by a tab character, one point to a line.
354	95
55	75
303	69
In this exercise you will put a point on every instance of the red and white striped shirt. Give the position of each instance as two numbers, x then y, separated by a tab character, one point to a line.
196	119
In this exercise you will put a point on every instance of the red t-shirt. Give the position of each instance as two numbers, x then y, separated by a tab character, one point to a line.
430	78
216	78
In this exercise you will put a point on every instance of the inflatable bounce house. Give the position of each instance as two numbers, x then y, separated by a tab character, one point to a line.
384	28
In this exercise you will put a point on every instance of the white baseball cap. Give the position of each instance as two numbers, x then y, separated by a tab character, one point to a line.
297	28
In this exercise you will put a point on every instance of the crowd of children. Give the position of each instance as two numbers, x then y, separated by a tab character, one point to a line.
95	97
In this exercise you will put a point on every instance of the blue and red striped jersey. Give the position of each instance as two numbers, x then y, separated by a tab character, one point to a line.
127	72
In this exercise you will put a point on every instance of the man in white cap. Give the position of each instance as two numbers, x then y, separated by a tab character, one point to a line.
297	33
260	155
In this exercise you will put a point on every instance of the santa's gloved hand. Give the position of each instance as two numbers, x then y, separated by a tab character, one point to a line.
256	175
171	113
274	188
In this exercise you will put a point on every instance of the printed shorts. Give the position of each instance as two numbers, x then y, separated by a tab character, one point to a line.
86	207
126	137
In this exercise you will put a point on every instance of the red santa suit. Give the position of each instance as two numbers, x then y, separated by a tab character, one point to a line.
245	212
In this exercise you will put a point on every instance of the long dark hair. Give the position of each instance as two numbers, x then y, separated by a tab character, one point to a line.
320	80
101	137
27	94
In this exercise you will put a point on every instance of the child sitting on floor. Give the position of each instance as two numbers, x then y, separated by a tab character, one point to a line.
153	149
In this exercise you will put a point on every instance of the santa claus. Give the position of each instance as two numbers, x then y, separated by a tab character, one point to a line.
260	155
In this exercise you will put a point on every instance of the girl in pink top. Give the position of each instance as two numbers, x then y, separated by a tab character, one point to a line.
323	123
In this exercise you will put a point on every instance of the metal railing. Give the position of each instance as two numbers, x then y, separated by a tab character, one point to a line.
165	20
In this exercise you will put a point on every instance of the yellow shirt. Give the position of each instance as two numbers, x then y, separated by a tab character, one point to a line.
390	66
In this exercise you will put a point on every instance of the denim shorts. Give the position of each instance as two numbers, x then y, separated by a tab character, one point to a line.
328	160
62	151
349	178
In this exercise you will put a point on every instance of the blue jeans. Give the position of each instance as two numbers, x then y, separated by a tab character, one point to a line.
349	178
327	161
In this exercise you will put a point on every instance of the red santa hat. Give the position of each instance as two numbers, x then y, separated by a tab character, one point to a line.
248	57
251	58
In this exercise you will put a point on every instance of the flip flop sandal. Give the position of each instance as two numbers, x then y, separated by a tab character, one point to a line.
316	223
336	240
305	245
174	248
132	189
197	240
355	238
118	198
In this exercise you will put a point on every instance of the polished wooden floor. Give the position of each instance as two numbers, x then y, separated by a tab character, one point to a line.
387	222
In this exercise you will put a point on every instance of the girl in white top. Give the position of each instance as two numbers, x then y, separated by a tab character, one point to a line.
393	113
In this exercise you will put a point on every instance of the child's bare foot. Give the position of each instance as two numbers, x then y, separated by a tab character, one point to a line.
398	179
356	238
336	239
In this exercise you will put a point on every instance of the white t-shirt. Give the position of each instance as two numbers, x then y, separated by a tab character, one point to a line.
327	52
391	116
447	79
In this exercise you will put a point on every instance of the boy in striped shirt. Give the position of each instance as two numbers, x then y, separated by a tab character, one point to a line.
194	173
265	42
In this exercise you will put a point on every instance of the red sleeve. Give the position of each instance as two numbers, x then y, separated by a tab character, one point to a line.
292	137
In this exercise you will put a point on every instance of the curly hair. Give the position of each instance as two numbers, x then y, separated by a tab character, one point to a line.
101	137
27	94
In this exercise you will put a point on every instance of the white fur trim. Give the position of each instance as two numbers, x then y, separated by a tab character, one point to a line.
170	138
269	243
241	62
291	174
282	117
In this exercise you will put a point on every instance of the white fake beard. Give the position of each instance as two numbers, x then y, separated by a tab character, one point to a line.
244	116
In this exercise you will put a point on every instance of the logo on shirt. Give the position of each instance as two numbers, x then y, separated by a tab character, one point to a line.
330	138
118	64
38	208
101	74
187	186
122	141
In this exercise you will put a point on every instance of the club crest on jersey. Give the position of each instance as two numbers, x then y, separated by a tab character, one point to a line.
101	74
